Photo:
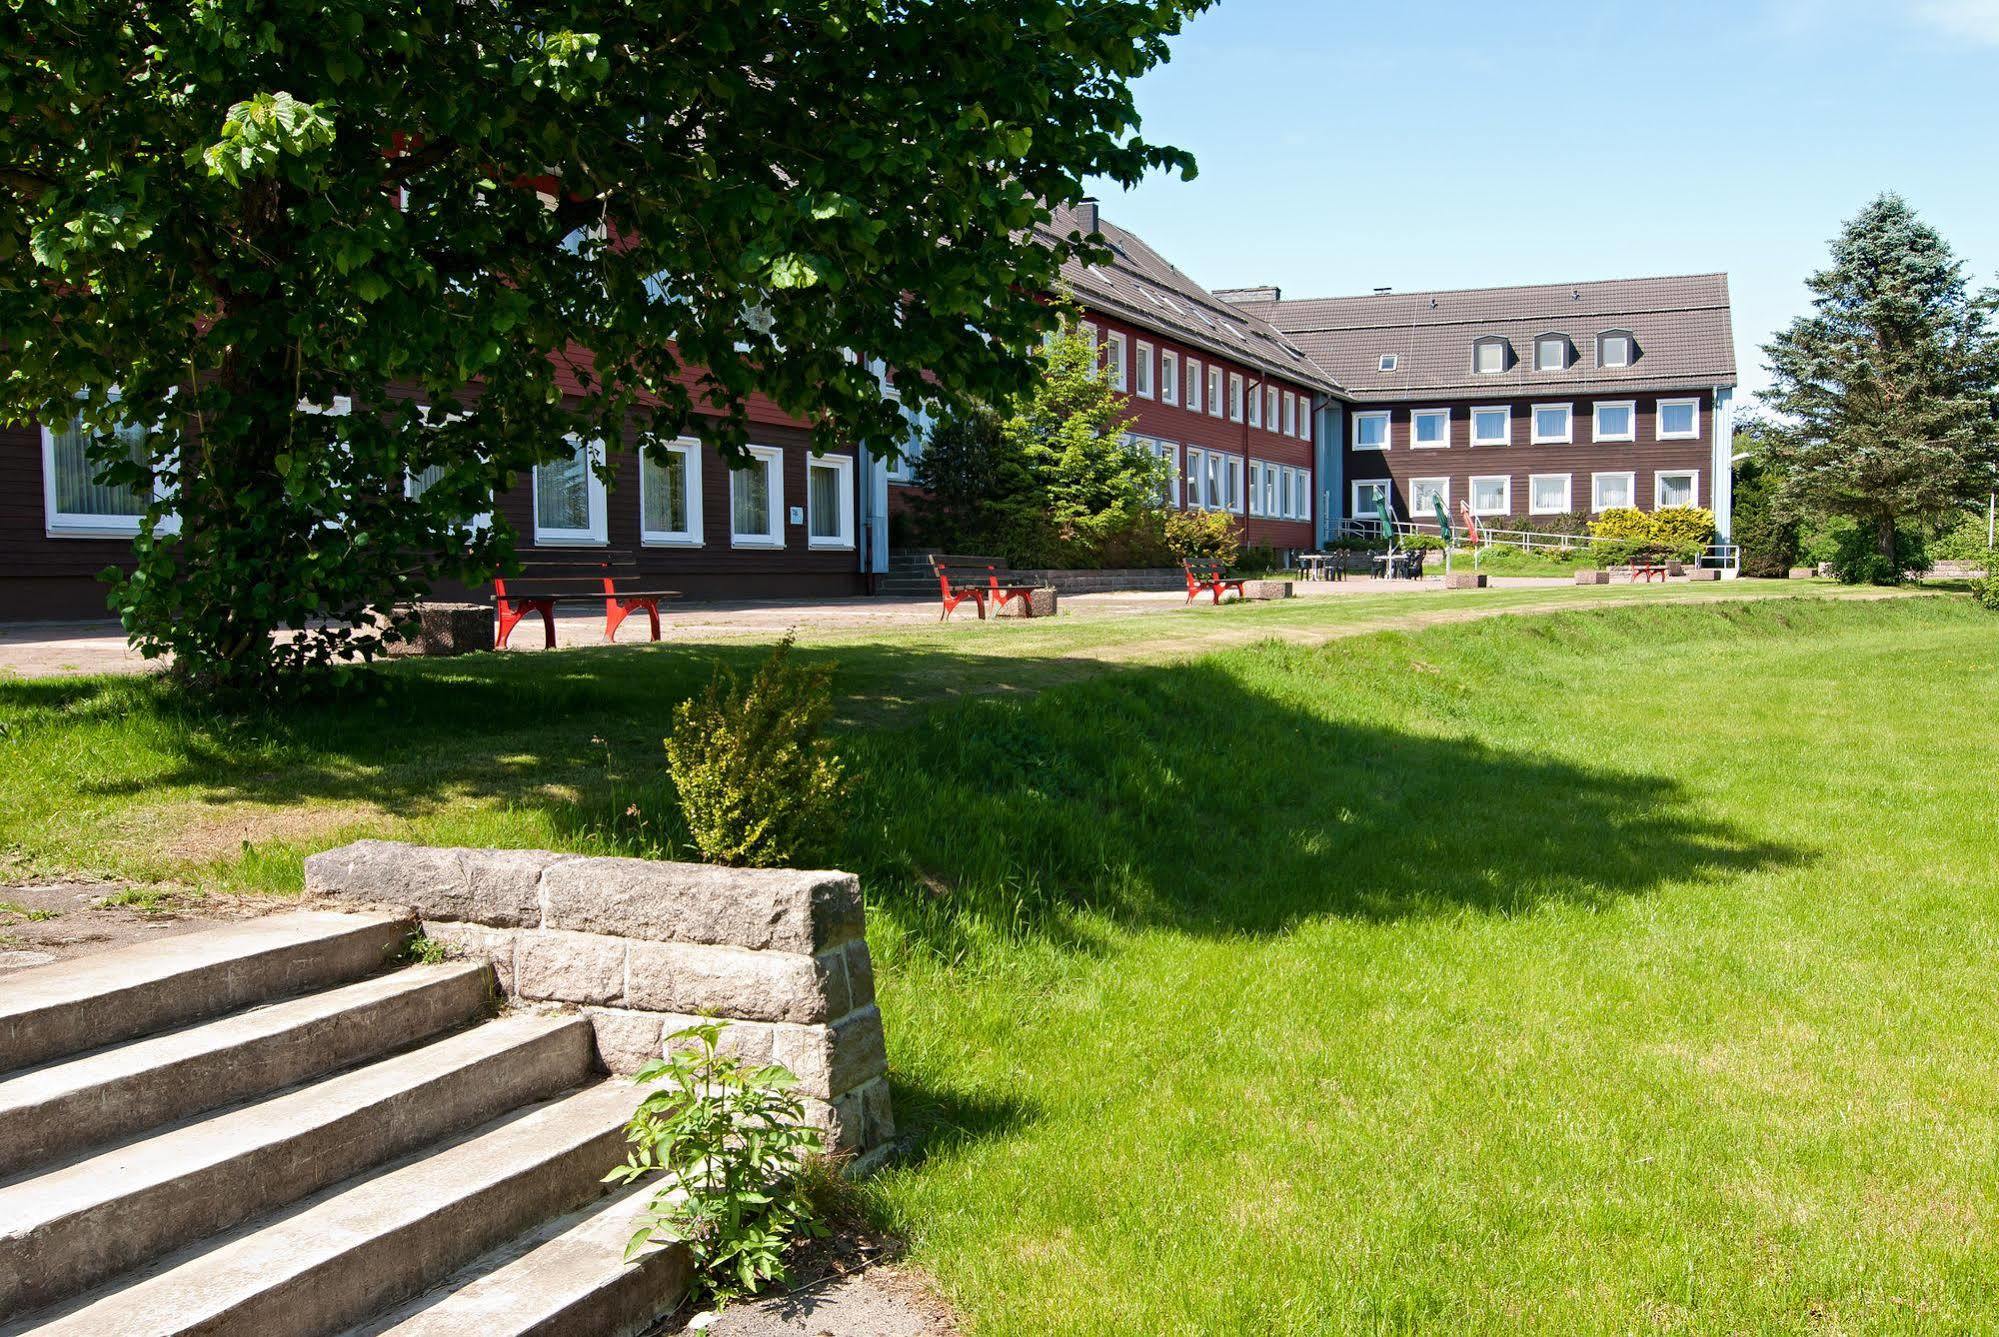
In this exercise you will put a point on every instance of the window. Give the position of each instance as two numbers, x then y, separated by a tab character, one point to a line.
1305	417
1235	494
1490	356
756	500
1090	334
74	503
1142	371
829	501
1235	397
1608	491
1169	377
1255	408
1389	362
1614	348
1615	422
1169	489
1275	491
1370	431
1426	493
1197	477
1290	413
1492	426
1548	494
1551	352
670	495
1492	495
1257	504
1193	385
1271	406
1679	419
1429	429
1114	360
1371	496
569	496
1553	424
1215	392
1676	487
1301	494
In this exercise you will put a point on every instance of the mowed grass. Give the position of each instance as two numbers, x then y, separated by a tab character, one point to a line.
1623	970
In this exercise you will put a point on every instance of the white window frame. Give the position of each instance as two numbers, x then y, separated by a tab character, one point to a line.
1659	419
1305	416
1194	384
1235	397
773	459
1170	452
1479	346
1216	404
1505	482
1360	511
1254	402
1169	376
844	466
1197	478
688	451
1387	420
1603	342
1505	412
1272	404
1596	505
1568	435
1417	486
1238	501
1561	356
1630	433
1141	373
1534	506
1693	477
1416	442
597	534
1387	362
60	524
1304	498
1256	487
1090	333
1117	363
1290	413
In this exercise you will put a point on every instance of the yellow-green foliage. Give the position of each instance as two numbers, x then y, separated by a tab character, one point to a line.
758	781
1204	536
1682	525
1622	522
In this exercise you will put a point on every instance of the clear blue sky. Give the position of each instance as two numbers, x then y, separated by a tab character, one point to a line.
1349	146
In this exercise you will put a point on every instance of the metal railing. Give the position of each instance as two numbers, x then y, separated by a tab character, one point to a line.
1724	557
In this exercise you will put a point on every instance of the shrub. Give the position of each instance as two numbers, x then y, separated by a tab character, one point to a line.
1196	536
1985	592
1427	542
731	1144
1857	559
1260	557
1768	536
1683	527
1622	522
758	783
1963	541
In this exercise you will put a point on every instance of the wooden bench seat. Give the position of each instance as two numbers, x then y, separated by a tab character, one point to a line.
549	576
981	581
1209	578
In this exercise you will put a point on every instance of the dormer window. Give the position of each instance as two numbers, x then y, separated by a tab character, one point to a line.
1491	356
1551	352
1389	362
1616	348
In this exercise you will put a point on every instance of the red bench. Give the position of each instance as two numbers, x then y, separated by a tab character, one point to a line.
1209	578
1647	572
548	577
975	579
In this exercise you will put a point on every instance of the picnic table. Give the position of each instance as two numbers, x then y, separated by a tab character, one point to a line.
1321	566
1406	564
548	577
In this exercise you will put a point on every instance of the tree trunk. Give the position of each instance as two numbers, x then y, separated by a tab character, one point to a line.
1884	542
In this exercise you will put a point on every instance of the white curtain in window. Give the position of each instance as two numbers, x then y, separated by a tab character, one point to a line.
77	492
562	491
752	498
665	491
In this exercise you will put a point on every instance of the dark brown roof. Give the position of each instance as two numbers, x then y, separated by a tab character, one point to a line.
1141	286
1681	326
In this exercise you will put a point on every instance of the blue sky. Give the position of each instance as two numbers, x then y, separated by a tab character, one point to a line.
1345	147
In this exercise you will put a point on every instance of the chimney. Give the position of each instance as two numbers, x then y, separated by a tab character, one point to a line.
1086	214
1268	292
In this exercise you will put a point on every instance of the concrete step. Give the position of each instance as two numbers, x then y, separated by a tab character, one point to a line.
570	1276
73	1104
67	1008
375	1241
72	1227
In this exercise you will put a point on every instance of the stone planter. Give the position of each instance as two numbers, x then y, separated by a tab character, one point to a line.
1465	580
1802	573
448	629
1592	577
1266	589
1041	602
1704	573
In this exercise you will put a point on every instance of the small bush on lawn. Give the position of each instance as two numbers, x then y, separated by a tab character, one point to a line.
758	782
732	1147
1683	527
1857	560
1985	592
1204	536
1259	557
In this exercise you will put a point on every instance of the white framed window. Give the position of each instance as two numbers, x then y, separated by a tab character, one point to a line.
1551	353
756	500
1142	371
1676	487
74	503
569	496
1276	491
1553	424
1169	491
1114	361
1290	413
1090	334
670	495
1255	408
1492	425
1235	397
829	501
1272	405
1425	493
1215	405
1257	503
1193	385
1548	494
1370	495
1371	430
1197	478
1613	349
1611	491
1489	357
1388	362
1492	494
1169	376
1679	419
1429	429
1305	417
1615	420
1236	500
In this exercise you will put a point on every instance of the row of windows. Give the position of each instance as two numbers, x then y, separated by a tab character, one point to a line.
1547	494
1215	482
1548	425
1159	376
1493	355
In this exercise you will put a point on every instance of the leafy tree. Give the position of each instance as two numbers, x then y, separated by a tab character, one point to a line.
586	220
1887	395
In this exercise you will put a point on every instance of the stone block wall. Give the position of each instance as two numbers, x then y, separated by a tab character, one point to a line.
644	948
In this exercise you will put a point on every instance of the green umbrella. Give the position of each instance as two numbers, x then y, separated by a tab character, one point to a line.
1387	516
1443	519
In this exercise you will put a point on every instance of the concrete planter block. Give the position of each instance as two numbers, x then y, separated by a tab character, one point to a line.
1465	580
559	967
1704	573
447	629
1592	577
501	888
1266	589
767	909
735	982
1041	602
1801	573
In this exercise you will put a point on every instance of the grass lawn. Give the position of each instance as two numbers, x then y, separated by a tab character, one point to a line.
1627	969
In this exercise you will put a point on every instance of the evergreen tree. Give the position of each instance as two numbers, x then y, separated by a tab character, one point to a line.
1887	396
